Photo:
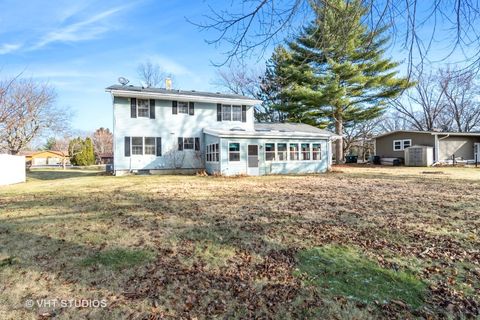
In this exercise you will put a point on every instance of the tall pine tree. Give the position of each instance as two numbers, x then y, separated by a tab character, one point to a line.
337	72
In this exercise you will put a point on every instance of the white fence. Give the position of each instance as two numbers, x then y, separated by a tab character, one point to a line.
12	169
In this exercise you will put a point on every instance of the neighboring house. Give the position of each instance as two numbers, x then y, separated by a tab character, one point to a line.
105	158
446	145
157	130
44	158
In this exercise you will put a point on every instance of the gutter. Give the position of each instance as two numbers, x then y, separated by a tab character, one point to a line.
181	97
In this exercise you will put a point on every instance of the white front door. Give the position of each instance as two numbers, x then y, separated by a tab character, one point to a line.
252	160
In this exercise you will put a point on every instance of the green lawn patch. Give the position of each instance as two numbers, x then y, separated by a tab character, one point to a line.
343	271
119	258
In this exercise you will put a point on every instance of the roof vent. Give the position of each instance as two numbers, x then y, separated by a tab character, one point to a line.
168	84
263	130
237	129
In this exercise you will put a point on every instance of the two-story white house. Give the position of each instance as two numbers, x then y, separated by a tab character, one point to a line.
158	130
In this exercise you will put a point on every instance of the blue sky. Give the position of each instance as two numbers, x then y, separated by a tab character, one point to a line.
81	47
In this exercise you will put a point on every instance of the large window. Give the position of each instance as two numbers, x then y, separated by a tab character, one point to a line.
182	107
305	151
316	151
150	145
294	151
399	145
269	151
226	112
143	108
137	145
188	143
282	151
234	151
213	153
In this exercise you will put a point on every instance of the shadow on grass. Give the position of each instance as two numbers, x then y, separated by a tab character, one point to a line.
59	174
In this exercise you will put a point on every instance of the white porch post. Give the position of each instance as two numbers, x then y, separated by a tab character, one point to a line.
437	146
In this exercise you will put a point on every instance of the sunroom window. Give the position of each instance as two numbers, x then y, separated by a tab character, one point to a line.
281	151
316	151
234	152
294	151
305	151
269	151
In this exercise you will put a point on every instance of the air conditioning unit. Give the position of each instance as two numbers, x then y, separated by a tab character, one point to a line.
419	156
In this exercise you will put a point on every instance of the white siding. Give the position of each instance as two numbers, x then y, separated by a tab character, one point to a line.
169	127
12	169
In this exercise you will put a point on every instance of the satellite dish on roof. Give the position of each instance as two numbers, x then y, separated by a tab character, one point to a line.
123	81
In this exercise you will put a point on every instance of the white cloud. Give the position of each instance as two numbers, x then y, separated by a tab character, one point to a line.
9	47
79	31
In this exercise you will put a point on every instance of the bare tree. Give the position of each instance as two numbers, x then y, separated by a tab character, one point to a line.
239	80
151	74
28	109
258	24
462	94
102	141
423	105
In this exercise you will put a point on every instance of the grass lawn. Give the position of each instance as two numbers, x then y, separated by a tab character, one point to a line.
356	243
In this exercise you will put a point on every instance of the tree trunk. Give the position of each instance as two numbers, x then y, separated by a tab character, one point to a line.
339	142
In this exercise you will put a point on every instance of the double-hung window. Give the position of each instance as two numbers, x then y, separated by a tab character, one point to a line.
236	113
226	112
316	151
137	145
269	151
150	146
182	107
281	151
294	151
188	143
143	108
234	151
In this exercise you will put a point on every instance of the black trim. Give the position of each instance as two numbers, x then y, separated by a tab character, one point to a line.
180	143
174	107
159	146
191	108
219	112
127	146
133	107
152	108
244	113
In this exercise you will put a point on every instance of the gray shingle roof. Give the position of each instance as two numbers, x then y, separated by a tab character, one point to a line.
290	127
191	93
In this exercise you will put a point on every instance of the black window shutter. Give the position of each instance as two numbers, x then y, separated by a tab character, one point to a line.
133	107
159	146
244	113
127	146
191	108
197	144
152	108
180	143
174	107
219	112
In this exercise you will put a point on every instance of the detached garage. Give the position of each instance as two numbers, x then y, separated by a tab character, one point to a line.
12	169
